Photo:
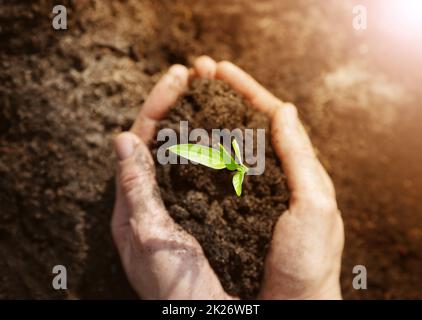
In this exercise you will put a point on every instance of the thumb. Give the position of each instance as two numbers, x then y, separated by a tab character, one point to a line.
160	258
136	180
125	144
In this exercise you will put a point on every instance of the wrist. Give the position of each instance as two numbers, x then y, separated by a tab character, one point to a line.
330	291
327	288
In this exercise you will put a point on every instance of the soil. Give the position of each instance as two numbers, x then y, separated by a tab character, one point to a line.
234	232
64	94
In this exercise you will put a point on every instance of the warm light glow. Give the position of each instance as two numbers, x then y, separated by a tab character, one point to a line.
402	17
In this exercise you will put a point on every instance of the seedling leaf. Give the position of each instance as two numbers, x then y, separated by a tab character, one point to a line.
238	181
228	159
216	159
237	151
206	156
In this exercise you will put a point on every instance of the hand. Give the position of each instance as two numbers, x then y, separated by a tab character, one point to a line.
304	259
163	261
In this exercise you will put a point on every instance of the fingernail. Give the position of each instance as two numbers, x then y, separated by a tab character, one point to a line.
124	145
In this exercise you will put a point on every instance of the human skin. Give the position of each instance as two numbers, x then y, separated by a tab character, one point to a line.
162	261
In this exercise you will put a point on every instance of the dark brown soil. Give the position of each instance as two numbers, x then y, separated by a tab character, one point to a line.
233	231
64	94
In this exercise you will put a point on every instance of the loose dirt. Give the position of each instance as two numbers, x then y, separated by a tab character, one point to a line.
64	94
233	231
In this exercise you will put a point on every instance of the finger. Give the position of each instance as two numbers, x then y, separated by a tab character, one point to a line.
327	180
205	67
166	92
124	145
164	95
243	83
136	181
138	202
294	148
120	217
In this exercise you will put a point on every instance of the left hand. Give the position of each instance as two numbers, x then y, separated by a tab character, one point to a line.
161	260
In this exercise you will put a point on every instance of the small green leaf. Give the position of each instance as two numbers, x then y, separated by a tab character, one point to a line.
238	181
228	159
206	156
237	151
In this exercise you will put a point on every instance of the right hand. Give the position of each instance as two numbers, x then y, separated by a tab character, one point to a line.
304	259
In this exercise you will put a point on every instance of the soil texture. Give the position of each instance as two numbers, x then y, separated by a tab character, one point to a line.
233	231
64	95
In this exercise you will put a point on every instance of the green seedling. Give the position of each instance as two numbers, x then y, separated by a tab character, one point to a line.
215	159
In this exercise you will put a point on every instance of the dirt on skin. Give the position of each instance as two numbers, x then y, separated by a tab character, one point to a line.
64	94
234	232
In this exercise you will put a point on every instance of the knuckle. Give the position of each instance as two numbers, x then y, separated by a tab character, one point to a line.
154	233
149	236
145	237
137	173
130	179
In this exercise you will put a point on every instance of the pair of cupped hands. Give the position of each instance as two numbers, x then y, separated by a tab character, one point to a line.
162	261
